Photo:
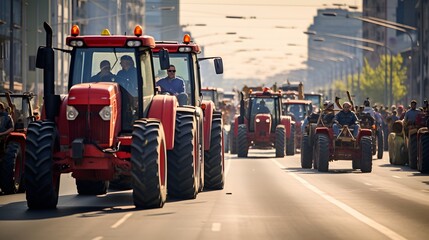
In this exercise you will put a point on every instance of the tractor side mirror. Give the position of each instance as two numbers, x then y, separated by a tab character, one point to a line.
164	59
218	65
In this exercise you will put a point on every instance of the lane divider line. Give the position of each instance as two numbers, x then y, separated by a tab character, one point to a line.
122	220
354	213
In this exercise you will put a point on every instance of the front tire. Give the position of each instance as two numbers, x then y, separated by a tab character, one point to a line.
306	152
412	151
366	154
290	144
149	164
423	163
280	141
322	151
42	183
242	144
214	177
11	171
380	144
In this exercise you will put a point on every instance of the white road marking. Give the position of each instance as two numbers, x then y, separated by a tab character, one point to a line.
368	184
122	220
216	227
396	176
228	164
97	238
356	214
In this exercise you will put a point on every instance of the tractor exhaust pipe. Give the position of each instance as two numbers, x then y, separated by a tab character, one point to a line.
45	61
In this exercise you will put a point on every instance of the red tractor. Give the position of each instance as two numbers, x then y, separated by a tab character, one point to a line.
12	157
101	129
261	124
345	146
202	124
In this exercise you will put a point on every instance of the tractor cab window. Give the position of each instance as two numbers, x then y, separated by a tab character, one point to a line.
105	65
261	106
181	63
298	111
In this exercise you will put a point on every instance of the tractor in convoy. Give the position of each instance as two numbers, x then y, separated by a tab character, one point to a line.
200	124
12	157
103	128
262	125
327	147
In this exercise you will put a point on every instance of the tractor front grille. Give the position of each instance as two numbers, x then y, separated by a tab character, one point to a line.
89	125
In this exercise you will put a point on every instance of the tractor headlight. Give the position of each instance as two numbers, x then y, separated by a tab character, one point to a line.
71	113
258	120
106	113
267	120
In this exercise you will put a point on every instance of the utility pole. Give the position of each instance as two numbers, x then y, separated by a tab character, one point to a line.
11	53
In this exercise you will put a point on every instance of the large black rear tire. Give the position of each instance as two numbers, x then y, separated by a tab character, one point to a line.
11	180
148	164
280	141
182	173
214	177
42	183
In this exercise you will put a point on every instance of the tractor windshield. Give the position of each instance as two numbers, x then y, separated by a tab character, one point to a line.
264	106
185	70
112	65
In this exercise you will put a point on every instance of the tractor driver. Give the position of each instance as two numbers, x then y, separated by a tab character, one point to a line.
173	85
105	75
127	77
346	117
262	108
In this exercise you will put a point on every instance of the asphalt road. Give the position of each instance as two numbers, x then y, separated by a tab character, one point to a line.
264	198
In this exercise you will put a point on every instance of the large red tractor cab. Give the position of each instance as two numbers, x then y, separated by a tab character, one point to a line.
261	123
104	128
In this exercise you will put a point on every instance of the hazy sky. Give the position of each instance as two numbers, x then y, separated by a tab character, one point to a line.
269	35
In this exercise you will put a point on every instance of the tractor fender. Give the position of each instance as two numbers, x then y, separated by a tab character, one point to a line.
163	108
18	137
208	108
323	130
287	122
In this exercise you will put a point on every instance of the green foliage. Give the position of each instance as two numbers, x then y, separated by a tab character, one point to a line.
373	81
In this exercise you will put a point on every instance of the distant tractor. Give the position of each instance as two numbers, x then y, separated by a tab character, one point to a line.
345	146
12	159
102	129
261	124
